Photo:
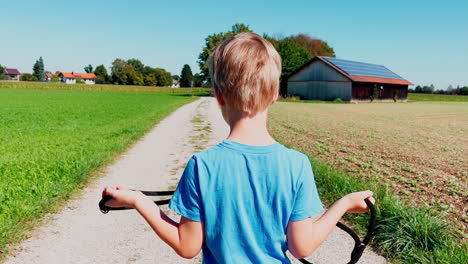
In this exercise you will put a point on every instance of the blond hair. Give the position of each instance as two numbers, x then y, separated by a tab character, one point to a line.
245	70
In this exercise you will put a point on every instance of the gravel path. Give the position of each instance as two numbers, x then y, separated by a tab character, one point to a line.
82	234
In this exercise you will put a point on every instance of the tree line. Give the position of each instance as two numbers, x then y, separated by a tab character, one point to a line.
430	89
295	51
123	72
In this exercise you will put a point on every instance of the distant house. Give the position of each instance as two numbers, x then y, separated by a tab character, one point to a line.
175	84
70	77
326	78
48	76
12	74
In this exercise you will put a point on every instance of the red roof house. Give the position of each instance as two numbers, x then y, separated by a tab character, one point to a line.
12	74
70	77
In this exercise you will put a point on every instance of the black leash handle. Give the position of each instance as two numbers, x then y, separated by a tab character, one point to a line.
356	254
359	245
105	209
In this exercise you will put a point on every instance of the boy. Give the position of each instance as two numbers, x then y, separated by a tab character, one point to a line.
248	199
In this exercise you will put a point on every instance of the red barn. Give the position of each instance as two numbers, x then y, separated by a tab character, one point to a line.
327	78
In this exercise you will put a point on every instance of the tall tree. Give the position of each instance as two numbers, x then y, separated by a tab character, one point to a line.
2	72
315	47
133	77
117	71
212	41
164	77
101	74
293	56
89	68
197	80
186	77
38	69
150	79
137	65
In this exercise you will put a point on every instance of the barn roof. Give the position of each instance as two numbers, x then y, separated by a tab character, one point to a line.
360	71
77	75
10	71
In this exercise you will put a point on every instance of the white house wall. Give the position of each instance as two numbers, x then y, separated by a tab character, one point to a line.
89	81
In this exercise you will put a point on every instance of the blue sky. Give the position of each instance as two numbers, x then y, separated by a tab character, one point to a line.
423	41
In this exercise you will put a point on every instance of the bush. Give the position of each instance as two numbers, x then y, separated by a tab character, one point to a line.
338	101
27	77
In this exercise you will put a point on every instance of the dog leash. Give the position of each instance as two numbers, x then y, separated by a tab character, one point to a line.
359	246
105	209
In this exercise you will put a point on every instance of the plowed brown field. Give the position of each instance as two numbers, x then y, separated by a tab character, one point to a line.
419	149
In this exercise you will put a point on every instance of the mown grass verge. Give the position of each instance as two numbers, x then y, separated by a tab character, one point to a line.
104	87
52	140
404	234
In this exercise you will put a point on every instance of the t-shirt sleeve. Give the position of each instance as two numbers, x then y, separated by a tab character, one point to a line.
307	201
186	200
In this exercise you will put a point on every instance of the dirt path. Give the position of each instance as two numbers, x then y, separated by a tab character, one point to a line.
82	234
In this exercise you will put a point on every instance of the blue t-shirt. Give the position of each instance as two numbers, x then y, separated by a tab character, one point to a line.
246	195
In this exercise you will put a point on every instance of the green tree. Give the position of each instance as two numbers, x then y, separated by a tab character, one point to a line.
27	77
137	65
150	79
133	77
293	56
164	77
2	72
38	69
89	68
315	47
79	81
186	77
101	74
117	72
212	41
123	72
463	90
197	80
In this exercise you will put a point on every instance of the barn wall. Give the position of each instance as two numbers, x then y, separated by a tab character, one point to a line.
318	81
363	91
320	90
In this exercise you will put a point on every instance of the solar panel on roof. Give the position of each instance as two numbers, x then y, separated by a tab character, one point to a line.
361	68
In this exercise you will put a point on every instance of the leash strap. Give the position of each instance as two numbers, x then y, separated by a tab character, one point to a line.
356	254
359	245
105	209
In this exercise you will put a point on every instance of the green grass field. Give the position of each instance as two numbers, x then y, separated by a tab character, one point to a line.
412	155
103	87
52	141
414	97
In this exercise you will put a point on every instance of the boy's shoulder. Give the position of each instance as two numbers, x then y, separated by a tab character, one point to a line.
227	148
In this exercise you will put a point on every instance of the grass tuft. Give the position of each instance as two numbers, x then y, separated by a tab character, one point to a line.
404	233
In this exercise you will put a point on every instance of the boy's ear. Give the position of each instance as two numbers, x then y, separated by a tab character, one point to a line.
219	98
275	98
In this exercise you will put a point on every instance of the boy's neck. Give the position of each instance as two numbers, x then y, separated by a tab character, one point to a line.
248	130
